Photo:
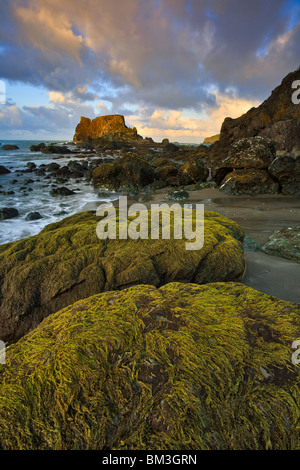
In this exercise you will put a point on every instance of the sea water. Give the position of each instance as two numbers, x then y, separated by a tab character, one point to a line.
39	200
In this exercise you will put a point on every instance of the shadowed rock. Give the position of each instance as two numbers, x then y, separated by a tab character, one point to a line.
250	182
277	119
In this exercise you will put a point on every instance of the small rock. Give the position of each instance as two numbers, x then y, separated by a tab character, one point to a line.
61	192
177	195
33	216
3	170
8	213
10	147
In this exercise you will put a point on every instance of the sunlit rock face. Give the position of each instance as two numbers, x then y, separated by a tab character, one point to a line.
89	129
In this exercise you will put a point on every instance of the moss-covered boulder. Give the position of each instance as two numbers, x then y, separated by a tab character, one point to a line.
285	243
66	262
182	367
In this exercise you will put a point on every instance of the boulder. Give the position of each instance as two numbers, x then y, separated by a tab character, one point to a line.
128	170
285	243
52	167
249	181
170	148
10	147
63	191
54	149
8	213
168	172
182	366
31	166
33	216
66	262
3	170
37	148
246	153
193	171
177	195
250	152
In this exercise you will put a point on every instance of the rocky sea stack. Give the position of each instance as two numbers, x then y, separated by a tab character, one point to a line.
110	125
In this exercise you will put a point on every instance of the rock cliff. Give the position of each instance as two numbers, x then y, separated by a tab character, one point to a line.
277	119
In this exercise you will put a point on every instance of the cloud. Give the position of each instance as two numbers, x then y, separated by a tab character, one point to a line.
177	126
166	58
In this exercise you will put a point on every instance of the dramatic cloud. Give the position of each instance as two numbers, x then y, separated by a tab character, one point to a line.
174	65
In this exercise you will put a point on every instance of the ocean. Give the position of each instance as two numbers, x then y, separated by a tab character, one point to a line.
34	196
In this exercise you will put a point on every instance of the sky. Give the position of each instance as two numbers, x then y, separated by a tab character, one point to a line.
174	68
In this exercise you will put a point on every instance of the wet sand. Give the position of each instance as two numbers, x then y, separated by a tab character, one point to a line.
259	216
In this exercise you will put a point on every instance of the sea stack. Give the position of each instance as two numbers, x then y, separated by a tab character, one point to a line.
113	125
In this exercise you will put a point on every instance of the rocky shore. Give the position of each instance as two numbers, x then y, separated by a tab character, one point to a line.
141	344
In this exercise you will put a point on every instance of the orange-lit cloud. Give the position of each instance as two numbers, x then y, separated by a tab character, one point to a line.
166	64
175	126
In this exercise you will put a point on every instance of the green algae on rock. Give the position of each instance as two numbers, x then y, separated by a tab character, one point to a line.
66	262
182	367
284	242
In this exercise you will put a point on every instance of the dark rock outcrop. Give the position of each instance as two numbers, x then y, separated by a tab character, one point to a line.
123	172
63	191
54	149
193	171
249	181
8	213
244	169
33	216
4	170
10	147
251	152
277	119
286	171
37	148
